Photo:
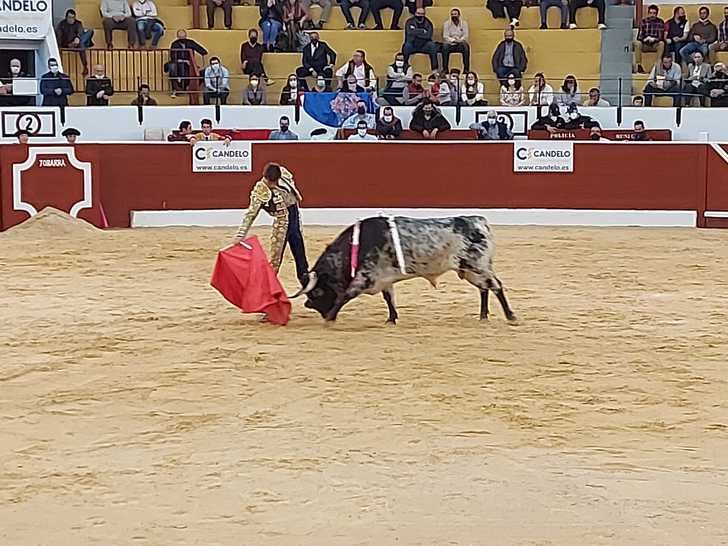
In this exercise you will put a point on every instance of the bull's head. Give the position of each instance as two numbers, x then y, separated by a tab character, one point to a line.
320	295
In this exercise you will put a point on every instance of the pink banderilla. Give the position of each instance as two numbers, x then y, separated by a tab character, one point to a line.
355	249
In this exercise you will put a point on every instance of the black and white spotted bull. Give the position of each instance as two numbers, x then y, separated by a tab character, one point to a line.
429	248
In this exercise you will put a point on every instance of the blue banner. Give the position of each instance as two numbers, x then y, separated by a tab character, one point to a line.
333	108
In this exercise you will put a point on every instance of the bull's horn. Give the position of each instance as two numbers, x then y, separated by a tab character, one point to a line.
312	279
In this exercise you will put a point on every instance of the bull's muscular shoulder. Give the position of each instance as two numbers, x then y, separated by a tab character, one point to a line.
261	192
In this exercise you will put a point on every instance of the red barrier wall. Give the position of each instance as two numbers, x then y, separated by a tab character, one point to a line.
396	175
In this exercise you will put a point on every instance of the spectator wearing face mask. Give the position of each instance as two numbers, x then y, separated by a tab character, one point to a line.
440	89
360	69
595	133
55	86
491	128
696	80
573	119
428	121
284	132
702	33
540	93
455	35
721	44
143	97
7	96
318	59
509	57
473	91
254	93
350	85
361	133
251	56
290	91
511	92
414	93
569	92
639	134
718	86
389	127
595	98
148	24
360	115
217	82
551	122
98	87
418	38
322	86
399	74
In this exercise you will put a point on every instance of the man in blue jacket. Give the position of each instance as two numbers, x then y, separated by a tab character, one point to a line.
418	38
55	86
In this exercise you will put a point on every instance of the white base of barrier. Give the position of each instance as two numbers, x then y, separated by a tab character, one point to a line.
346	216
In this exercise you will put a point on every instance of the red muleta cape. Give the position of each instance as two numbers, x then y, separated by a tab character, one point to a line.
246	279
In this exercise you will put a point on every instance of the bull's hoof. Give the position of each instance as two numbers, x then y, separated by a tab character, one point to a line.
483	317
391	322
512	319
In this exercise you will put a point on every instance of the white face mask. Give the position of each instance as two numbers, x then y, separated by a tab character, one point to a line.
53	68
491	121
293	83
511	81
554	117
388	117
399	64
321	83
254	83
15	69
471	81
214	66
574	115
453	80
361	132
98	76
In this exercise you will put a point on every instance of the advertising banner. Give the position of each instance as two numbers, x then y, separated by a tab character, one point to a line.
25	19
209	156
545	156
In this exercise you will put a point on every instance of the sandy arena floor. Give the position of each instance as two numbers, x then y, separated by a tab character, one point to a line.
137	407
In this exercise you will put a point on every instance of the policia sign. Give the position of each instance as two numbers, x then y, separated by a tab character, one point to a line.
219	157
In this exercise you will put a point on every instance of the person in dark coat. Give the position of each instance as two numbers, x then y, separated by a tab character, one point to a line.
98	87
551	122
182	66
428	121
573	119
508	9
70	34
55	86
318	59
509	57
389	126
418	38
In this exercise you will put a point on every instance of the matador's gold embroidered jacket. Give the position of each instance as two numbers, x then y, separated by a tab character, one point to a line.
275	201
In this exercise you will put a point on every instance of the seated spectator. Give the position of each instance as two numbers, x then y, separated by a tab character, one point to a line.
318	59
650	37
295	19
361	69
640	135
227	11
116	15
350	85
575	5
454	86
389	127
721	44
182	67
71	135
418	38
270	22
284	132
251	55
325	11
143	98
414	93
207	134
254	92
361	115
511	92
361	133
702	34
70	34
322	86
676	32
509	57
428	121
506	9
55	86
718	86
7	90
638	101
412	5
439	91
664	79
569	92
455	36
363	6
491	128
148	24
595	98
595	133
290	92
473	91
551	122
540	93
573	119
544	6
217	82
183	134
397	6
23	136
696	80
98	87
399	74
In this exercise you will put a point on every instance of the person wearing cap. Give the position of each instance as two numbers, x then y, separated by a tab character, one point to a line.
71	134
55	86
23	136
361	133
491	128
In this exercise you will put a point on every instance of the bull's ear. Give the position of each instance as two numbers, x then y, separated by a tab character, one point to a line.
312	280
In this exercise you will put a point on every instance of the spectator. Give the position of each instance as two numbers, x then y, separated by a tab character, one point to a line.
428	121
217	82
395	5
508	9
455	35
491	128
389	127
361	115
551	122
412	5
473	91
70	34
664	79
563	5
361	69
295	19
207	133
318	59
696	80
350	85
116	15
511	93
639	134
325	11
182	67
290	91
251	55
184	134
7	90
254	93
595	133
721	44
361	133
418	38
227	10
440	90
55	86
509	57
363	6
143	98
703	33
540	93
676	31
595	98
575	5
573	119
148	24
284	133
98	87
718	86
270	22
569	92
71	135
454	86
322	86
414	93
399	74
638	101
23	136
650	37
